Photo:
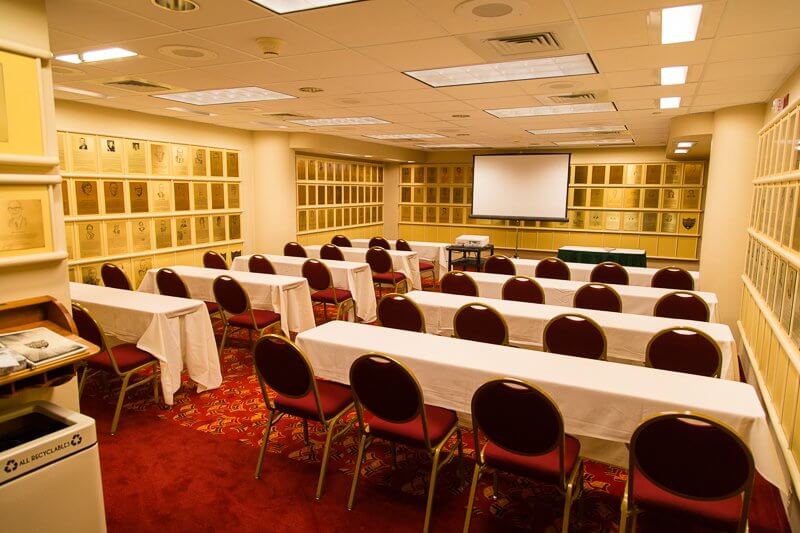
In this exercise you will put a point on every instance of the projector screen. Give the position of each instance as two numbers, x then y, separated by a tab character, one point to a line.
520	186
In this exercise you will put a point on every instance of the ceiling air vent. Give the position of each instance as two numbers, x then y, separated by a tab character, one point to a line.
285	116
531	43
577	98
137	85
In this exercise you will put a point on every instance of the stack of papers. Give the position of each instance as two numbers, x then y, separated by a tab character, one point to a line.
36	346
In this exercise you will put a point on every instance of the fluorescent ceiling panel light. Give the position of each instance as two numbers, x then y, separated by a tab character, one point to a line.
681	150
106	54
670	102
457	145
593	142
526	69
82	92
404	136
192	111
674	75
290	6
342	121
685	144
224	96
679	24
75	59
565	109
583	129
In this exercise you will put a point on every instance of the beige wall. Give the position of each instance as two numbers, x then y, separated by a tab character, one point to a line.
791	86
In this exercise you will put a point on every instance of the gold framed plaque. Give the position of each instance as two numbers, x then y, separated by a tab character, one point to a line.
615	174
235	226
577	219
595	220
83	152
159	159
163	232
24	220
181	193
113	197
141	234
201	230
652	174
161	196
633	176
651	198
614	197
111	155
301	169
217	196
136	156
215	163
630	221
89	242
302	217
672	174
116	237
612	221
180	160
689	224
669	222
581	174
183	231
578	197
138	195
650	222
86	198
631	198
218	227
199	165
670	199
691	199
90	274
140	267
693	173
65	196
200	196
596	198
21	104
233	195
61	137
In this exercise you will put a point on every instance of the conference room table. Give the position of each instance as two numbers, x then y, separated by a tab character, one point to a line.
597	399
626	335
347	275
581	272
433	252
287	295
405	262
594	255
176	331
636	300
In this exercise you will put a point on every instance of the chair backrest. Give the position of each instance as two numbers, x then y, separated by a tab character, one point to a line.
113	276
318	276
260	264
523	289
402	245
284	368
294	249
89	329
597	296
169	283
230	295
500	264
332	252
380	241
212	259
379	260
572	334
552	268
341	240
683	305
673	278
399	312
481	323
457	282
388	390
686	350
609	272
693	457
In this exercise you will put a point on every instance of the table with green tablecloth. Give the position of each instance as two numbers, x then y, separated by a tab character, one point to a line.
589	254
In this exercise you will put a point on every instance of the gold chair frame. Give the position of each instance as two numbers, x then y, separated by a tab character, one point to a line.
407	299
490	308
124	274
596	283
340	305
679	268
546	348
405	282
460	273
705	303
520	276
607	263
220	312
648	363
433	271
252	320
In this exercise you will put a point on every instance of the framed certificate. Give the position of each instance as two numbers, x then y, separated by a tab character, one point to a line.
301	169
633	176
578	197
89	242
201	230
613	197
183	231
630	221
25	222
596	198
669	222
217	196
652	174
140	232
180	160
163	232
199	165
651	197
111	155
631	198
140	267
615	174
595	220
580	175
86	198
200	196
612	220
181	193
233	195
113	197
138	194
218	227
161	196
90	274
577	219
83	152
215	162
159	159
116	237
650	222
136	156
235	226
598	174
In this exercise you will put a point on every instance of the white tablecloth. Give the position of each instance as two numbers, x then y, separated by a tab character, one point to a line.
354	277
636	299
580	272
405	262
626	335
433	252
629	251
176	331
596	398
287	295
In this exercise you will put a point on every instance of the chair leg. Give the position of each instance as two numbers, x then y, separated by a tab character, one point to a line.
431	490
82	382
305	431
394	455
624	512
576	477
224	338
121	399
325	452
495	490
476	475
264	445
155	385
352	500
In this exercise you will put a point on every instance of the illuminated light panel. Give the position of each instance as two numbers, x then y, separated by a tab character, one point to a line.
679	24
670	102
674	75
290	6
404	136
685	144
75	59
342	121
565	109
106	54
593	142
583	129
192	111
224	96
456	145
526	69
82	92
681	150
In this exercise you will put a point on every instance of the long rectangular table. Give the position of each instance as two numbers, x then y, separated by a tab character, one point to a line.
176	331
596	398
348	275
636	299
287	295
594	255
581	271
405	262
434	252
626	335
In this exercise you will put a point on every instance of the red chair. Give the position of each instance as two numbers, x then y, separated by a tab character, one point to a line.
234	301
212	259
260	265
400	312
380	242
294	249
323	292
523	289
284	368
552	268
692	465
609	272
682	305
457	282
686	350
480	323
341	241
524	434
390	406
500	264
169	283
673	278
424	266
597	296
123	361
332	252
114	277
383	270
572	334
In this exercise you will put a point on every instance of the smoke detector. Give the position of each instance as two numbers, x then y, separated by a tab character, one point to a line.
270	46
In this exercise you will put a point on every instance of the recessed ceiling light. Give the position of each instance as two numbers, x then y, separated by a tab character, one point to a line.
679	24
582	129
670	102
290	6
82	92
180	6
681	150
402	136
310	90
106	54
343	121
366	155
75	59
190	53
594	141
566	109
452	145
525	69
224	96
192	111
674	75
411	161
685	144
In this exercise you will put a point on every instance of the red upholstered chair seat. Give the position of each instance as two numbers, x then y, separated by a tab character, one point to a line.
388	277
542	467
333	396
127	355
331	295
440	422
424	265
212	307
263	319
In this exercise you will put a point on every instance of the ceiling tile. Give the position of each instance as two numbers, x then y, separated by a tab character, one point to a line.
622	30
413	95
424	54
61	41
748	16
766	44
765	66
524	13
100	22
749	84
219	55
211	13
380	83
655	56
257	72
332	64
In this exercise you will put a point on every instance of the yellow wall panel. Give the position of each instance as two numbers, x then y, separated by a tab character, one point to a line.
667	246
649	243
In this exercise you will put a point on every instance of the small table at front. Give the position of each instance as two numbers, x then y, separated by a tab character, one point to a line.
465	258
589	254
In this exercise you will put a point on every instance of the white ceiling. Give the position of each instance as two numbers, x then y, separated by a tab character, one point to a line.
356	53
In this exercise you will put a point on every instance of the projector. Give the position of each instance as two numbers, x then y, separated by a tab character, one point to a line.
478	241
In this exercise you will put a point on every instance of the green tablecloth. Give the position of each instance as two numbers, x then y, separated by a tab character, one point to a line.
594	257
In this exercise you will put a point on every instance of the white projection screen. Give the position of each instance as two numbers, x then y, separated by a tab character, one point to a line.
520	186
